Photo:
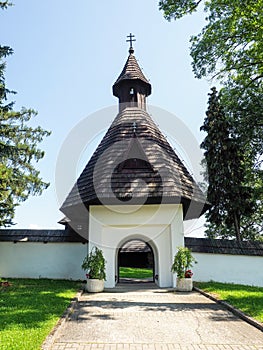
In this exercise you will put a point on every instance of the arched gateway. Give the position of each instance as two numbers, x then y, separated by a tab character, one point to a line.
134	183
137	253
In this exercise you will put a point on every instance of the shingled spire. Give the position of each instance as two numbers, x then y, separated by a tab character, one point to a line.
131	87
134	162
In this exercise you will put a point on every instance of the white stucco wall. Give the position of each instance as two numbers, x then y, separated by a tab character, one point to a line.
39	260
240	269
161	226
63	260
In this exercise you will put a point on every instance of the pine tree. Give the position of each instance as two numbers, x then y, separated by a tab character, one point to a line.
230	196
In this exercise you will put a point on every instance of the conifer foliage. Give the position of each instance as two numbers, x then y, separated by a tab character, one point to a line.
229	48
18	149
229	192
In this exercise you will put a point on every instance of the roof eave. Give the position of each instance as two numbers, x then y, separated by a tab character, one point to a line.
192	208
119	84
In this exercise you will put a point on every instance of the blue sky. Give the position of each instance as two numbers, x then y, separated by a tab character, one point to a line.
67	56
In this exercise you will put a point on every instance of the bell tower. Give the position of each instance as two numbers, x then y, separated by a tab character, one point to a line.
131	87
134	186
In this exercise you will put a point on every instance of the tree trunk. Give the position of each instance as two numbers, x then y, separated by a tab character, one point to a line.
237	227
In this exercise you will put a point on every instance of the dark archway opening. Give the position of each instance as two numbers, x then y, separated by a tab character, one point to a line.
135	262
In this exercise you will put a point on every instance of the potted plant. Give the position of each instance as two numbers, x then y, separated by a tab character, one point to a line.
183	260
94	263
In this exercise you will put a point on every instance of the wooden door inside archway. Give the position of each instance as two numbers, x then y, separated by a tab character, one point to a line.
135	262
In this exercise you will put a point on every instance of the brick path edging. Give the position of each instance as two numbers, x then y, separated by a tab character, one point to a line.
235	311
48	342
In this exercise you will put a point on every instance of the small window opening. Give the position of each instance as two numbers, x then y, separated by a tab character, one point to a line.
133	95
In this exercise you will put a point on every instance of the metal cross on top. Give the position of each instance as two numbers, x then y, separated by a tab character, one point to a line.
131	39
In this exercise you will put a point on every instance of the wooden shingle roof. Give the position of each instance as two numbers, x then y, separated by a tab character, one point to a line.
131	71
135	246
197	245
38	236
224	246
134	162
159	176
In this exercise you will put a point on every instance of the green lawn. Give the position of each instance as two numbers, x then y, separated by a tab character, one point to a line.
133	272
29	309
245	298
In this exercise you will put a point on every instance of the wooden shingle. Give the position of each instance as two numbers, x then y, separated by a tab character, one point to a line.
38	236
165	181
224	246
134	163
131	71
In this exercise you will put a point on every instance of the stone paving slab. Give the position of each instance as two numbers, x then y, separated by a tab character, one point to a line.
153	319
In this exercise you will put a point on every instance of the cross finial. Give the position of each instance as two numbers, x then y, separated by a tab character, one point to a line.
131	39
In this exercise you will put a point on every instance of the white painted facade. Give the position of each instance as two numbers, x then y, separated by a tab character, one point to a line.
63	260
161	226
239	269
39	260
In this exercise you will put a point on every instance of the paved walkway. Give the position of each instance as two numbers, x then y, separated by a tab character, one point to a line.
146	318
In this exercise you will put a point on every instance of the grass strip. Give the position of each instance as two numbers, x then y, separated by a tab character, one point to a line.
248	299
29	309
133	272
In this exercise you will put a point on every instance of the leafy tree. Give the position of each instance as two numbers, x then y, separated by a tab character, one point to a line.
230	45
230	191
4	4
230	49
18	150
